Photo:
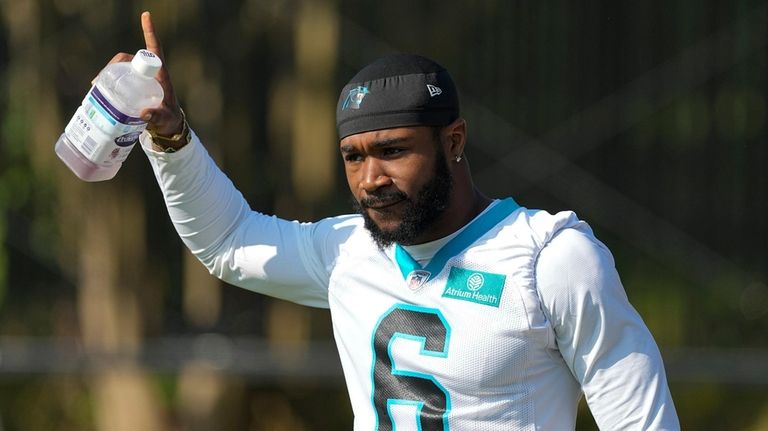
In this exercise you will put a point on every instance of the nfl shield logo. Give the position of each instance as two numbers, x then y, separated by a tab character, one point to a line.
417	279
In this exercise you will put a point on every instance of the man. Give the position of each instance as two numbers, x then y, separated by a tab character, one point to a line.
450	310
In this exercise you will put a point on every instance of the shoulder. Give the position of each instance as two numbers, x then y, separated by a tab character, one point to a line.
339	222
342	233
566	259
576	247
575	272
539	227
326	243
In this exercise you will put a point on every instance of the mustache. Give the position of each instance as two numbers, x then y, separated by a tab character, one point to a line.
377	199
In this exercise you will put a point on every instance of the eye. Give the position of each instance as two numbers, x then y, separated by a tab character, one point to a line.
392	151
353	157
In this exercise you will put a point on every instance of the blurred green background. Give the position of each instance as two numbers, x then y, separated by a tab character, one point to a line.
646	118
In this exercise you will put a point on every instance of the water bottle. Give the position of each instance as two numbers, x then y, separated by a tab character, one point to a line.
106	126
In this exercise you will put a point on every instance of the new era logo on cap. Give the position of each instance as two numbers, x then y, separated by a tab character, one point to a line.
434	90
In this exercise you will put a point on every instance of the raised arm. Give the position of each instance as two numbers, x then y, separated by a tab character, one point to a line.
262	253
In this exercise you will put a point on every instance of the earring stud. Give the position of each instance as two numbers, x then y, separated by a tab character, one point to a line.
458	158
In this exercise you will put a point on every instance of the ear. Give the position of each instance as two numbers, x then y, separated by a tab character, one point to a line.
455	138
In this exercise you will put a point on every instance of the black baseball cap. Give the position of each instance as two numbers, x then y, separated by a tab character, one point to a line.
398	90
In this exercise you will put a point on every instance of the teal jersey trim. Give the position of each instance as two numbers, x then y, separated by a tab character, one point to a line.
477	228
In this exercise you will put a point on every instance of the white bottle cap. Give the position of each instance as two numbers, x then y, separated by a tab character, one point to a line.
146	63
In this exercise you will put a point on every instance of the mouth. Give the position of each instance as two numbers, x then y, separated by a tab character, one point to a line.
378	206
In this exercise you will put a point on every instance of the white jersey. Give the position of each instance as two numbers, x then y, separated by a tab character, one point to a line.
501	326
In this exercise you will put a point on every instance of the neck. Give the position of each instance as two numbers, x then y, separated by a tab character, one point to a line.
464	208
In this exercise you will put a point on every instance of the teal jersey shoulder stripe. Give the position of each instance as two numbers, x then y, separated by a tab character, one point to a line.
477	228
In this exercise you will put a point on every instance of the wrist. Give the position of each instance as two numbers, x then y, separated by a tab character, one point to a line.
170	144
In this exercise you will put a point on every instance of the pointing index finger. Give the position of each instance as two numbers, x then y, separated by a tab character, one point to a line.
150	37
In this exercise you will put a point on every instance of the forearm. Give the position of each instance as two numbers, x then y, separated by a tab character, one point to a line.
202	202
242	247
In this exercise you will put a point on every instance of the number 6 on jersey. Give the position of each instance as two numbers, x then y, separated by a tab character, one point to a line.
392	385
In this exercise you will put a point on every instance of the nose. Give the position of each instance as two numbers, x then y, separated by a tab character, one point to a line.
373	175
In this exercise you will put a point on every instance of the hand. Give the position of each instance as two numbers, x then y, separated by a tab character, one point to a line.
165	120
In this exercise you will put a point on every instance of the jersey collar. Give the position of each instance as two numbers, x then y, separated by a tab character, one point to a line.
410	269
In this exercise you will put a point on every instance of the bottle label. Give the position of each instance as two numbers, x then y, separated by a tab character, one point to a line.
101	132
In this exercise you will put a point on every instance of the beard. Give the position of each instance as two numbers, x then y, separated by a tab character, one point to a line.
420	212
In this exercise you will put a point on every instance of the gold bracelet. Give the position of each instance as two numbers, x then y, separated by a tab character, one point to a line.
171	144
